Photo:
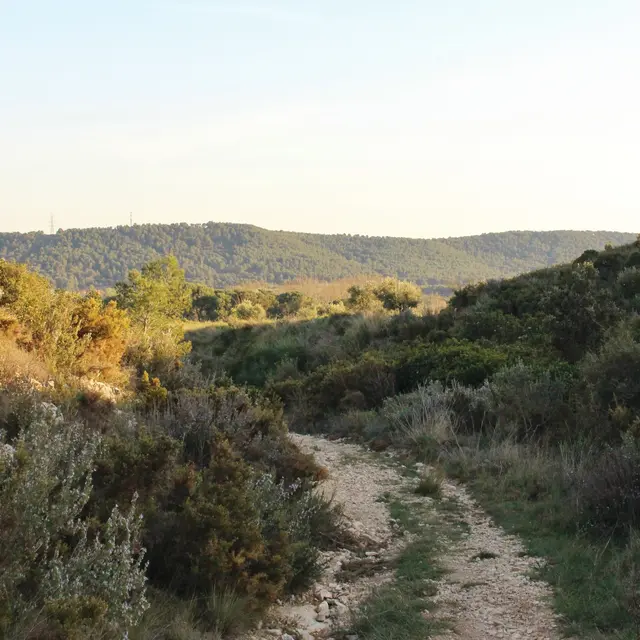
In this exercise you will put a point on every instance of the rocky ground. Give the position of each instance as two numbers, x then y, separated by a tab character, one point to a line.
487	590
485	593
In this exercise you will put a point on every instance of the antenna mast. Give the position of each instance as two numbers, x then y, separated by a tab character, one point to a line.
52	229
131	219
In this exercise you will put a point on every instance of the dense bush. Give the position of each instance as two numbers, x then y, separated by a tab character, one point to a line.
525	403
467	362
187	482
68	333
607	490
578	312
54	573
389	294
248	310
613	373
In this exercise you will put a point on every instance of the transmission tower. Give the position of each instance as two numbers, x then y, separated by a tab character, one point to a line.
131	219
52	228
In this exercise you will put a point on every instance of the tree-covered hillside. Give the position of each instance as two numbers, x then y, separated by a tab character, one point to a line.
224	254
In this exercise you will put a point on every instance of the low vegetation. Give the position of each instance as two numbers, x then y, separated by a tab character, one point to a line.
145	471
139	496
525	388
404	608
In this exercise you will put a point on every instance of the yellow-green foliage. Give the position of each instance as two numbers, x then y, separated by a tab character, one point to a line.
107	328
156	297
70	333
152	391
389	294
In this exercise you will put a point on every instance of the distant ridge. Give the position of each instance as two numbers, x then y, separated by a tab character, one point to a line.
224	254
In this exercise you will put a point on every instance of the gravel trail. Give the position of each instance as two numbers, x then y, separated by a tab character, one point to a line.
485	593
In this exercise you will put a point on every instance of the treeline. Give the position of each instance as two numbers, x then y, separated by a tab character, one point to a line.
527	389
223	255
228	305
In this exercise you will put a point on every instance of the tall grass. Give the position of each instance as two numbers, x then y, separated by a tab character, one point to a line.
15	363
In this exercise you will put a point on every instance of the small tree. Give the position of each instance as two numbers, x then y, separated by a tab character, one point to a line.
107	328
362	298
156	298
396	295
155	295
248	310
290	303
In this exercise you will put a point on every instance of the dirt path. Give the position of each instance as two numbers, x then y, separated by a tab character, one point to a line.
485	592
357	482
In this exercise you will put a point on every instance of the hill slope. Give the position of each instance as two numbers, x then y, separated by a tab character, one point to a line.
224	254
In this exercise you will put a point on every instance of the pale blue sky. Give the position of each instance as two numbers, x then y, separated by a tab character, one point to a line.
413	117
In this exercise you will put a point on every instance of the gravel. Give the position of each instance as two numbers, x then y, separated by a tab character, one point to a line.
486	593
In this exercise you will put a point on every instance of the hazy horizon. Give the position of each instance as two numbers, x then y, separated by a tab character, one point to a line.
417	120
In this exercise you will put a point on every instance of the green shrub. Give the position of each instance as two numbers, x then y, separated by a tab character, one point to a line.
422	421
587	256
607	491
329	387
578	311
134	462
362	331
629	282
253	424
525	402
429	485
613	373
396	295
151	391
362	299
292	303
207	534
481	322
609	263
248	310
467	362
306	520
48	557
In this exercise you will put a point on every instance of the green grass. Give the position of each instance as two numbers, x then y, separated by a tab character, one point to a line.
403	609
220	615
429	485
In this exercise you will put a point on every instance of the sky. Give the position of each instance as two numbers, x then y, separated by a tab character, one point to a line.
418	118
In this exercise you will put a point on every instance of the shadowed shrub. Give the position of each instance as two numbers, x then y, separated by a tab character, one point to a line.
607	491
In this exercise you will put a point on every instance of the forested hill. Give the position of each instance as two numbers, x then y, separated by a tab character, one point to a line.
224	254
